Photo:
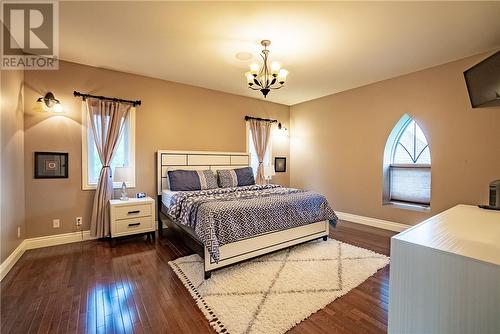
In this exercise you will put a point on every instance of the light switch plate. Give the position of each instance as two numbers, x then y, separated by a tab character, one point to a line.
56	223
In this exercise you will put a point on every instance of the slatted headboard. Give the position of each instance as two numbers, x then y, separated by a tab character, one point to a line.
196	160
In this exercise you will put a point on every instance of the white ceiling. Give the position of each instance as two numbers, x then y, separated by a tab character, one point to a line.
327	47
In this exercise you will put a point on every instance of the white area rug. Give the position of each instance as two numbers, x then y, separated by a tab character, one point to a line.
274	292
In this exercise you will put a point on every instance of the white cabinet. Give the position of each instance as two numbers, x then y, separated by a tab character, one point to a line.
445	274
132	217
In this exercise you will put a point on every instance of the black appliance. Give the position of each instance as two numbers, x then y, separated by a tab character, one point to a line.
494	196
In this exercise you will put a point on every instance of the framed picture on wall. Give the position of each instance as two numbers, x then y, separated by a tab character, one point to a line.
51	165
280	164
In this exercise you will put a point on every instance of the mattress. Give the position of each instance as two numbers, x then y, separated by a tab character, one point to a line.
166	197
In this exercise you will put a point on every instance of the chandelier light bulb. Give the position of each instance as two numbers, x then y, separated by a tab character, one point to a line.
282	75
254	69
275	67
57	108
249	77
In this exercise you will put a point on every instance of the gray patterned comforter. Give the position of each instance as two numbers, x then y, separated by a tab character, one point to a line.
224	215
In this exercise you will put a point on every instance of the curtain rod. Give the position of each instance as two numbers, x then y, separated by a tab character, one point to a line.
134	103
261	119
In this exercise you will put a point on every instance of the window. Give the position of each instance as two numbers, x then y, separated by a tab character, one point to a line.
254	160
124	155
411	147
407	174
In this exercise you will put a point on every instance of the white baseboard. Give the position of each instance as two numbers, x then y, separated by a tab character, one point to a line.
9	262
66	238
58	239
39	242
383	224
45	241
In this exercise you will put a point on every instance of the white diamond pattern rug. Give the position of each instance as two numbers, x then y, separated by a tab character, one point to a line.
272	293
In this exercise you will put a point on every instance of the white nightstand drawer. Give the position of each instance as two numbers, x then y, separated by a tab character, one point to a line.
135	216
132	211
132	225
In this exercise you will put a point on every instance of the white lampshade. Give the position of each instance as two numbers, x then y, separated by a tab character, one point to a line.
123	174
282	74
269	171
254	68
249	77
275	67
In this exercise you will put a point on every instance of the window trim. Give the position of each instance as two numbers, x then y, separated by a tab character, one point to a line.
410	165
409	206
116	185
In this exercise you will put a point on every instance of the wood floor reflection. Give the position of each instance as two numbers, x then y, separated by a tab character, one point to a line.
91	288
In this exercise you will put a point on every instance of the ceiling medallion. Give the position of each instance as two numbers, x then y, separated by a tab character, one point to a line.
265	78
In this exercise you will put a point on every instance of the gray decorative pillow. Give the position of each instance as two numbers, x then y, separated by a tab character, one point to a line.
227	178
235	177
245	176
189	180
208	179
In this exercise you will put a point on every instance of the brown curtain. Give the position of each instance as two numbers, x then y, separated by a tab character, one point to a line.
107	119
261	133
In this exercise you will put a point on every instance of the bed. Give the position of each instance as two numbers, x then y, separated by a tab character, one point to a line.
228	225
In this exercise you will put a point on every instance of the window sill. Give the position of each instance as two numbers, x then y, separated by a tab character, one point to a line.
409	206
115	186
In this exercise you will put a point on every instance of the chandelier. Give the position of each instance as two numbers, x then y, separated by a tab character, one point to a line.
265	78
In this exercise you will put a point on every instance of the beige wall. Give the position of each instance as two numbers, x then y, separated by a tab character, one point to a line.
172	116
337	142
12	161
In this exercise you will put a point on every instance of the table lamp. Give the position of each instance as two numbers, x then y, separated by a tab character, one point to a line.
124	175
269	172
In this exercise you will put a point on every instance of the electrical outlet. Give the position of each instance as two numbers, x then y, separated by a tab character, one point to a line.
79	221
19	231
56	223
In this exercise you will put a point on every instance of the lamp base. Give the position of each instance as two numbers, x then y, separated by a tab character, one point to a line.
124	196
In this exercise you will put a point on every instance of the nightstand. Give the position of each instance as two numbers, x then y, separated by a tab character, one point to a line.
134	216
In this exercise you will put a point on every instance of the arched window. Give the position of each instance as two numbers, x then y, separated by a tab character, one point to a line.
407	165
412	147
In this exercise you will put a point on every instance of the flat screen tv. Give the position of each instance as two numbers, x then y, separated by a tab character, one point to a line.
483	82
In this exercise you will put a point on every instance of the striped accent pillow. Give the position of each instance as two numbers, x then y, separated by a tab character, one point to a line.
189	180
208	180
227	178
235	177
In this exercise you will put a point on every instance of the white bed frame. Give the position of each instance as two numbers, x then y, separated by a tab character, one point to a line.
243	249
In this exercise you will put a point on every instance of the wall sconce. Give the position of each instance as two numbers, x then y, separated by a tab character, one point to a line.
282	132
50	103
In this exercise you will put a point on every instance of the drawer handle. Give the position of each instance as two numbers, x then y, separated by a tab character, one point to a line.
135	211
134	224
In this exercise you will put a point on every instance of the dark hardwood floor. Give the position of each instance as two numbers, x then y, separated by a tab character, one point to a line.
89	287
